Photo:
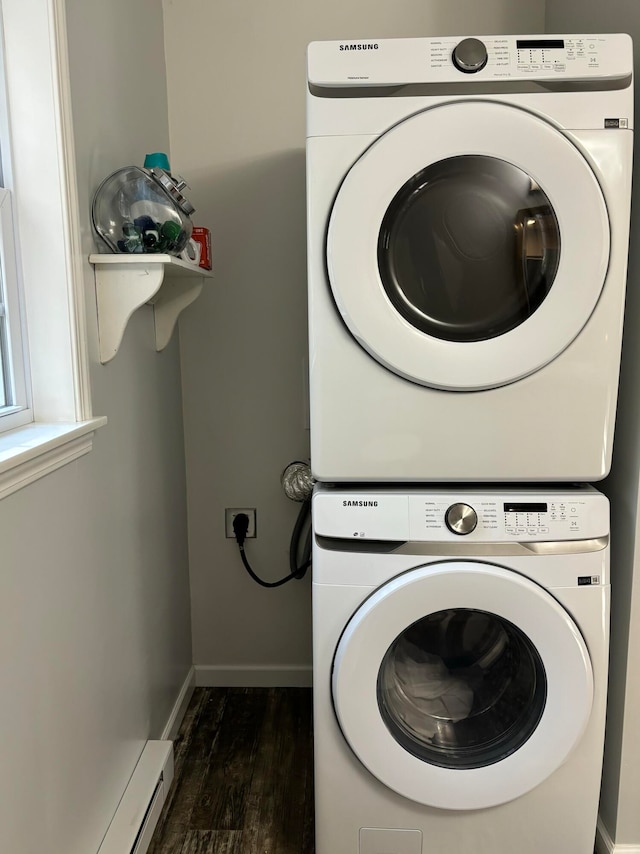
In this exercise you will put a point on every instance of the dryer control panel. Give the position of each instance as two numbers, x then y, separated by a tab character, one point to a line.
451	59
531	515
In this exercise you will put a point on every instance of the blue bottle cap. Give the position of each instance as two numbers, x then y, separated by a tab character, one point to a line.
157	160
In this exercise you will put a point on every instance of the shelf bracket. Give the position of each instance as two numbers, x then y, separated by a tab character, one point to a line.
175	295
126	282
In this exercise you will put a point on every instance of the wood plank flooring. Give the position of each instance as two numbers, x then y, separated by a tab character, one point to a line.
243	775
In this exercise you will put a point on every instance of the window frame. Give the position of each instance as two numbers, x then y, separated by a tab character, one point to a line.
16	411
45	203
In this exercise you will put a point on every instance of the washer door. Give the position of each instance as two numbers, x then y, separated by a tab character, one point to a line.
462	685
468	246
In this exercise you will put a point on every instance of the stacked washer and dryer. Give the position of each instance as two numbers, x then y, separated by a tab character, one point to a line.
468	225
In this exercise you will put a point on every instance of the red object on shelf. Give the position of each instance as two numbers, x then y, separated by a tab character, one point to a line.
203	237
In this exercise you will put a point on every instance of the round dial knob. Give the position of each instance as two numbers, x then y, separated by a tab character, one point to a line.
470	55
461	519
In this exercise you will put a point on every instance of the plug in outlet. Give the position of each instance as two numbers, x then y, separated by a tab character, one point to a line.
230	514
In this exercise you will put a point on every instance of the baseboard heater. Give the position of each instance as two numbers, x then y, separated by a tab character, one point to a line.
138	812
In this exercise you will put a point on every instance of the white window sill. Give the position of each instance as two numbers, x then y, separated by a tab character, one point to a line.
31	452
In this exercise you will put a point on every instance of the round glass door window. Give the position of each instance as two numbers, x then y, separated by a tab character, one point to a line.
468	248
461	688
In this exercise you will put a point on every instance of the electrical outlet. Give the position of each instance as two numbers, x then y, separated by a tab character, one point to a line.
230	514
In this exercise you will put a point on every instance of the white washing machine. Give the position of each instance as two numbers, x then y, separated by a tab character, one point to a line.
460	669
468	225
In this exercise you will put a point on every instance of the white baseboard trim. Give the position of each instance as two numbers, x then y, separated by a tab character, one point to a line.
137	814
606	845
214	676
170	731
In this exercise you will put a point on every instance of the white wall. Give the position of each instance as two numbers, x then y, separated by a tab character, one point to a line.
94	602
236	81
621	779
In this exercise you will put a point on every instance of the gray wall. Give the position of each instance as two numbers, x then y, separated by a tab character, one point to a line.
94	603
621	780
236	76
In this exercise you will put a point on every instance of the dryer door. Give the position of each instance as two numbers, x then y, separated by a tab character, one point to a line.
462	685
468	246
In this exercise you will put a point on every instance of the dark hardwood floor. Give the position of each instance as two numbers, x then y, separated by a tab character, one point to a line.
243	775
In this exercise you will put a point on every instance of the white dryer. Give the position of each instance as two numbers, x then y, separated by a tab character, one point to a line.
460	669
468	225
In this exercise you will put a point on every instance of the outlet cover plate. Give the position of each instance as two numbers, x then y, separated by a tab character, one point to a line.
230	514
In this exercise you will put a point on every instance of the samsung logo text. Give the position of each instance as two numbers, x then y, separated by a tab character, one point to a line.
359	503
369	46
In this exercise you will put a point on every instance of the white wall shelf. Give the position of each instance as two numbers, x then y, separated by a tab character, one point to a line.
125	282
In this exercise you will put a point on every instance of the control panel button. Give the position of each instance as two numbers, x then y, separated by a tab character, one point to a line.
470	56
461	519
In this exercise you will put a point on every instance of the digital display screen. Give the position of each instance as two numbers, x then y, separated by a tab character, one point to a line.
536	507
544	44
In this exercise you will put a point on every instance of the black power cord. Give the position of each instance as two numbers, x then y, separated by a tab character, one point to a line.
240	528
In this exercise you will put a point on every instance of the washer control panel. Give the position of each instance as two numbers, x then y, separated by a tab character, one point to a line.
532	515
512	519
